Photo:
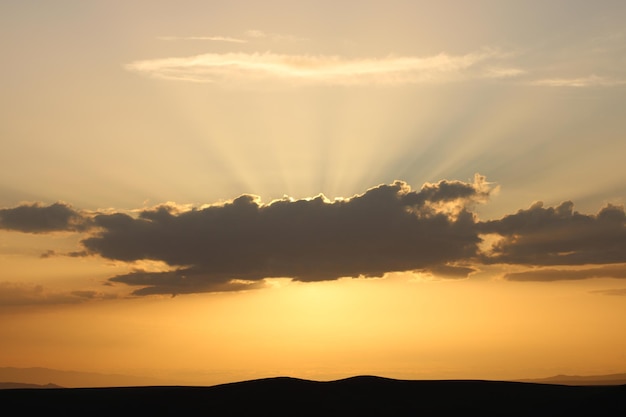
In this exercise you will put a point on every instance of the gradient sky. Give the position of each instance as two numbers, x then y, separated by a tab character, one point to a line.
213	191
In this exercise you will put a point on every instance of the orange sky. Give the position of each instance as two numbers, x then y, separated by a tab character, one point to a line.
215	191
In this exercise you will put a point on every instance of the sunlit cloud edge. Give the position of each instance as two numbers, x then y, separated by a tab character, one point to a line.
324	69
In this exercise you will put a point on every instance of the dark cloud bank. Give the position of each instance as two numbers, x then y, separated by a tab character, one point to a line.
388	228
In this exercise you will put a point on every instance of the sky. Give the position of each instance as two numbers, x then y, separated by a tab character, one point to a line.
212	191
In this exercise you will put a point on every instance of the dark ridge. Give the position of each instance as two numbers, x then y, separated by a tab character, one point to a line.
357	396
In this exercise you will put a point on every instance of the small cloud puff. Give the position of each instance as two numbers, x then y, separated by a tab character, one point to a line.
37	218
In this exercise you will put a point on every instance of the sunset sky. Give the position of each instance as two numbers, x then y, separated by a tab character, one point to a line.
211	191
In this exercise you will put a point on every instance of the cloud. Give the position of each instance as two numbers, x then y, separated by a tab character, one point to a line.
48	254
615	292
14	294
503	72
608	271
183	281
202	38
388	228
318	69
37	218
252	34
589	81
259	34
558	236
237	245
450	271
52	253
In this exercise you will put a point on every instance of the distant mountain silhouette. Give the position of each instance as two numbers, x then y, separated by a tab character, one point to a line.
612	379
14	385
357	396
42	376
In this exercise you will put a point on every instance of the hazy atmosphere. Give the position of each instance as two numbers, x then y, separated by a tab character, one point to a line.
213	191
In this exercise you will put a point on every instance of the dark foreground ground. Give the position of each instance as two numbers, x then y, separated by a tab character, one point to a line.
358	396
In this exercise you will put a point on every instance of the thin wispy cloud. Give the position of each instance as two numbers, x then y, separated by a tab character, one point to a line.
620	292
18	294
260	34
202	38
252	34
319	69
503	72
589	81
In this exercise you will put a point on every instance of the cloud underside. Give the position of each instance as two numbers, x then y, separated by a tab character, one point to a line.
324	69
389	228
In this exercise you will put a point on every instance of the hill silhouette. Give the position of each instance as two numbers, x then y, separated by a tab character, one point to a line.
357	396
